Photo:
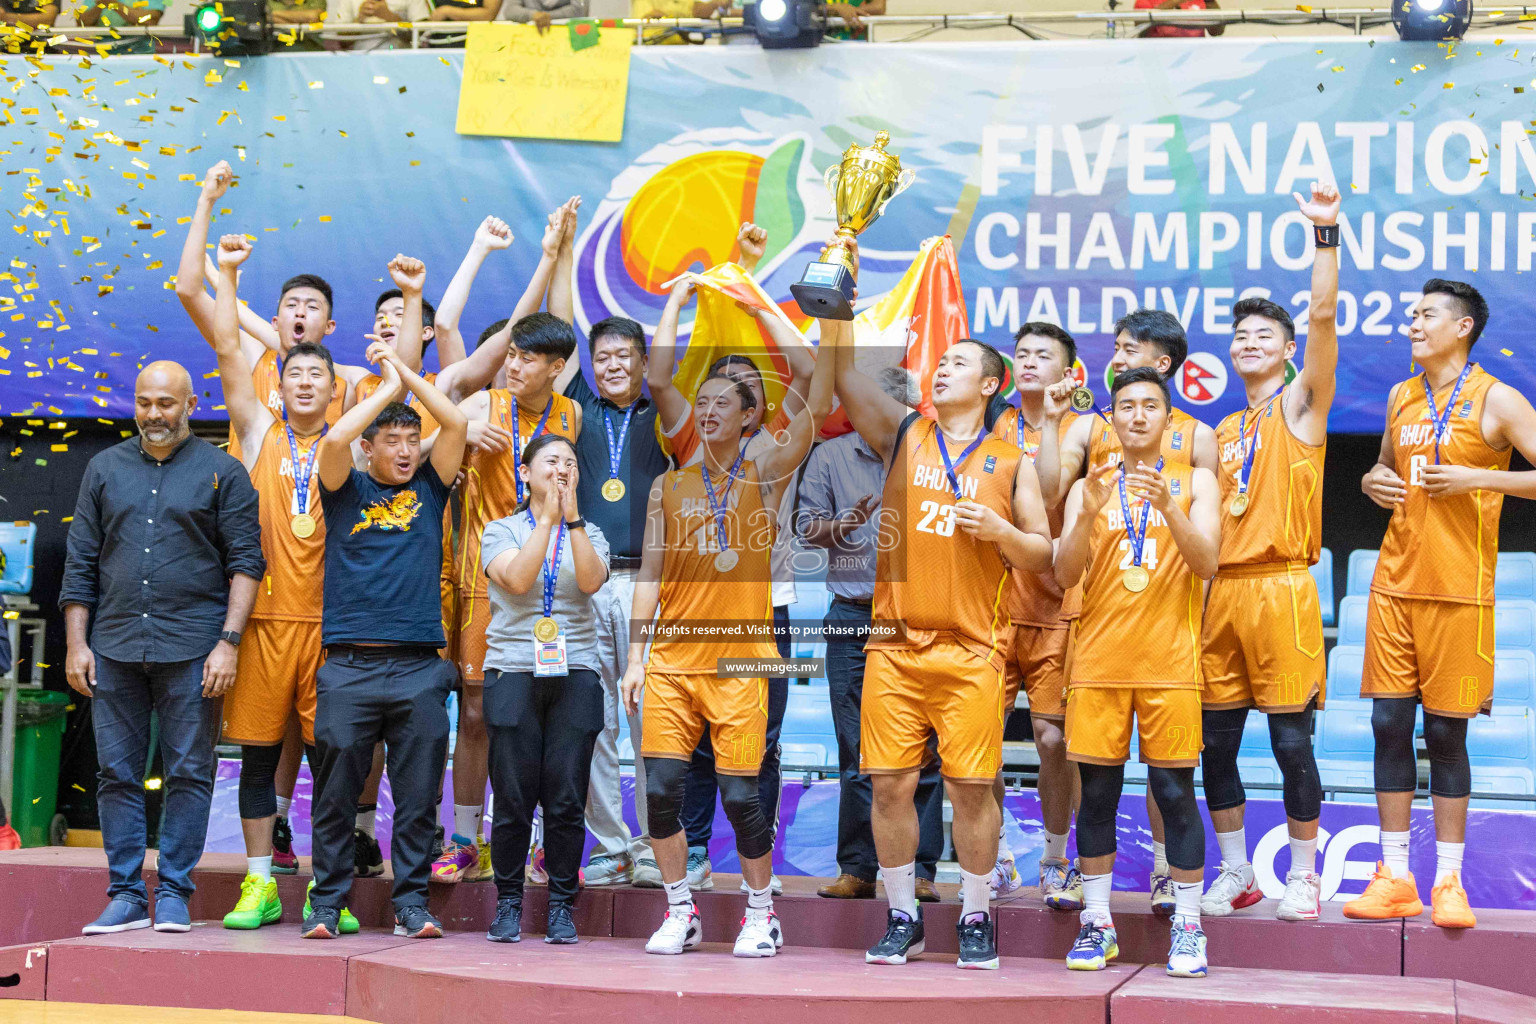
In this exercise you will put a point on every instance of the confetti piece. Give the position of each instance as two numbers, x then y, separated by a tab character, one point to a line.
1448	85
317	85
380	79
1505	352
325	218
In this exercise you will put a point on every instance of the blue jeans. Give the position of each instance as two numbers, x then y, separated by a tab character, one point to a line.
125	694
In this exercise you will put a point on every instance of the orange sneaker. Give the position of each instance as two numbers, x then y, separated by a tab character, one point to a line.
1451	909
1386	897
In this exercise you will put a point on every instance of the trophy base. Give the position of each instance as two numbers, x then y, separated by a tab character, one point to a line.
825	292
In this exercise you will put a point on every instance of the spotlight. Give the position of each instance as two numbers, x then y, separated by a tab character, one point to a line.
785	24
231	27
208	18
1433	20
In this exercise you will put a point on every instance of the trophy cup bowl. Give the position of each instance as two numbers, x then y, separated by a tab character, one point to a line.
862	185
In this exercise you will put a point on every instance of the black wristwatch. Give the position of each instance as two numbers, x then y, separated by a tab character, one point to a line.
230	637
576	524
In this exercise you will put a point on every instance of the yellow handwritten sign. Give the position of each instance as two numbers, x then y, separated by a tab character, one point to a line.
522	84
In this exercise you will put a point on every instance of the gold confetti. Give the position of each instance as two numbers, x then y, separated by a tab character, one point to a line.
325	218
1505	352
317	85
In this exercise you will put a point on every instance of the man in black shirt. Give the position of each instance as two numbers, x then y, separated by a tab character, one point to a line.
163	561
382	629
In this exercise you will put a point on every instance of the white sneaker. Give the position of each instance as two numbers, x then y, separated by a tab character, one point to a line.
1186	953
1163	901
1303	895
775	887
1005	877
760	935
700	871
1233	889
680	930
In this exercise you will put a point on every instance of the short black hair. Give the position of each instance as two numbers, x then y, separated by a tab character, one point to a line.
992	364
314	281
490	330
544	334
1140	375
395	414
1469	302
1157	327
720	367
616	327
1056	334
1255	306
428	313
748	399
315	350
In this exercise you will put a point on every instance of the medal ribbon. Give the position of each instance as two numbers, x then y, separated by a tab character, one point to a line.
1441	417
301	472
717	506
517	443
551	565
616	448
1020	424
949	466
1250	446
1137	533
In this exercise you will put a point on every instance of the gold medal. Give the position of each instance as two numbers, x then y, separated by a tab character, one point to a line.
613	489
546	629
1136	579
302	525
726	560
1239	504
1082	399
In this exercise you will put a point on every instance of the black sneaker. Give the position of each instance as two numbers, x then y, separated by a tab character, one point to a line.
903	939
436	852
368	857
508	926
561	929
978	944
417	923
322	923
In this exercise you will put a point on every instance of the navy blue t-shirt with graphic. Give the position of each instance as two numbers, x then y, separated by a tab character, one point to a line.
383	556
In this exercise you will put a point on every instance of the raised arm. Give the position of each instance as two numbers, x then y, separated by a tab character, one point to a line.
561	301
874	414
492	236
1307	403
410	276
671	405
189	272
780	463
335	458
797	354
753	242
1048	458
255	333
248	414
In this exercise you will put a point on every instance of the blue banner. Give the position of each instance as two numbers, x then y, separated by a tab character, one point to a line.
1078	179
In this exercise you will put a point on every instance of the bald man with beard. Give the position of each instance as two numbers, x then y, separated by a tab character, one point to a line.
163	561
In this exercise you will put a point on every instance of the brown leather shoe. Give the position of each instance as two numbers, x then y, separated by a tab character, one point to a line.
847	887
926	893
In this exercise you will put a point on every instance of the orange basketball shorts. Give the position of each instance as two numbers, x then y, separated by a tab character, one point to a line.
1438	651
448	594
1167	721
678	706
474	614
1038	661
944	688
274	678
1262	642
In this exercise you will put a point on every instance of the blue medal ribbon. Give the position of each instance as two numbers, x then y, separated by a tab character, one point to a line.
517	442
301	473
551	565
1136	532
1442	417
1250	447
949	465
616	448
717	505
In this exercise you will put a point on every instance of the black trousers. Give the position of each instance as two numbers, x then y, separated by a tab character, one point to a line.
542	730
398	695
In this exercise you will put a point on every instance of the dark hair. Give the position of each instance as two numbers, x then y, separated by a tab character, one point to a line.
544	334
748	399
314	350
1157	327
395	414
530	450
314	281
1255	306
992	364
616	327
1469	302
490	330
1056	334
718	368
1140	375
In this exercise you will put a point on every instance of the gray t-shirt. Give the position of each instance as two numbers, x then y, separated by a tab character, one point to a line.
509	640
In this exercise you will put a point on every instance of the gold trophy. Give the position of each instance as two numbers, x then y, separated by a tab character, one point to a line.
862	185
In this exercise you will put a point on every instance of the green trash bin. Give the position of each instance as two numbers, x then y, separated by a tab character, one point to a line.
35	780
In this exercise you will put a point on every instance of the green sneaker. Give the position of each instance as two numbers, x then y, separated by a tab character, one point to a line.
348	926
258	905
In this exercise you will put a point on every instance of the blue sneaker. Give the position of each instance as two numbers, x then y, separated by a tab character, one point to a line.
171	914
1186	955
121	915
1096	945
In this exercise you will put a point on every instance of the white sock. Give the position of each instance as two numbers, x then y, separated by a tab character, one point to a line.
1394	852
365	819
1055	846
1304	855
284	805
1159	858
678	893
1234	847
975	893
760	899
901	888
1096	890
1186	900
262	867
1448	859
466	820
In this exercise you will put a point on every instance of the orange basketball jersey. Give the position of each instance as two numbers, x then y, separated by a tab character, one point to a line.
931	578
369	384
1284	518
1178	441
490	479
294	585
1035	599
1442	549
1151	638
268	382
694	594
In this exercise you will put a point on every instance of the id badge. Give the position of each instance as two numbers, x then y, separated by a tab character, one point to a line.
549	657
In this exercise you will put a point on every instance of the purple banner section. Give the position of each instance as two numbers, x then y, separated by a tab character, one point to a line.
1499	871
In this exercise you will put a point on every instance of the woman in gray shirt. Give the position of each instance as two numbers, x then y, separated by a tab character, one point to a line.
543	699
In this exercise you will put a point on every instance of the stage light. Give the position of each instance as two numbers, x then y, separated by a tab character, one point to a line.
208	19
783	24
1432	20
231	27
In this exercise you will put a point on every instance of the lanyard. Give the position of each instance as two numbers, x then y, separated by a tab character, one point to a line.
1442	417
1137	533
517	443
616	448
949	465
301	473
717	505
551	566
1251	446
1019	423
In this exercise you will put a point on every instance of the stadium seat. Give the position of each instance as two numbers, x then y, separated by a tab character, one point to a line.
808	737
1362	566
811	602
1514	678
1346	664
1514	623
1352	611
1515	575
1502	747
1344	732
17	541
1255	736
1322	572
